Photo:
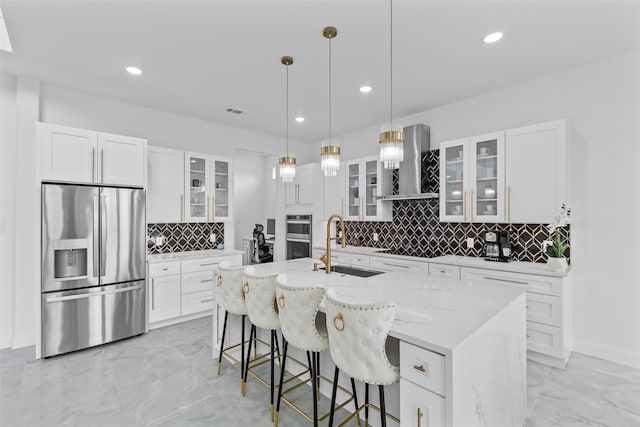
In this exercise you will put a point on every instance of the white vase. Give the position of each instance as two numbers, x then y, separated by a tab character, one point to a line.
559	265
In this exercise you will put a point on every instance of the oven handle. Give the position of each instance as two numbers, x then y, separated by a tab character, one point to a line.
298	221
291	239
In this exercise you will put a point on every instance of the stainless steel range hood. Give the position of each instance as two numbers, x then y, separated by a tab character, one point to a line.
416	141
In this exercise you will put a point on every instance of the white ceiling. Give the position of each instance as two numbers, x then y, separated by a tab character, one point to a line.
200	58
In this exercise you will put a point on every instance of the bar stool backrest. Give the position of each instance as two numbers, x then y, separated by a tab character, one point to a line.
230	285
298	307
357	338
260	296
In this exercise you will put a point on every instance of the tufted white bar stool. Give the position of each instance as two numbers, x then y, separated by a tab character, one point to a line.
359	347
260	299
230	285
298	309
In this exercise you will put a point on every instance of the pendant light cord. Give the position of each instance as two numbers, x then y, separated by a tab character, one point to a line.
330	143
391	62
286	119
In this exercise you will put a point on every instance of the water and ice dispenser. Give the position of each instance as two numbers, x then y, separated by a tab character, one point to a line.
70	258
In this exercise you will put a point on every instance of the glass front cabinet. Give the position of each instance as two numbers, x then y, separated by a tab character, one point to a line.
366	180
208	188
472	179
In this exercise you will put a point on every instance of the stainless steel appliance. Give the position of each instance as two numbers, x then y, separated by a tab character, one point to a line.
497	246
93	266
299	236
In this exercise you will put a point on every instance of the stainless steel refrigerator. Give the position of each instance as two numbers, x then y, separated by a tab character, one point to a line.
93	266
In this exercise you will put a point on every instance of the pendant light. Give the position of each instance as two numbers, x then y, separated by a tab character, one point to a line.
330	148
391	136
287	161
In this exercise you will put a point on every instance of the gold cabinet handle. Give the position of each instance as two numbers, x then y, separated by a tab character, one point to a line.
509	204
395	265
181	207
245	287
281	302
505	280
93	164
464	205
209	263
420	368
102	165
471	205
153	294
202	301
207	209
419	415
206	280
213	209
219	279
338	322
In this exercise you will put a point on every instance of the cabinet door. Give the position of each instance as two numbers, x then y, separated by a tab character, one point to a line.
165	185
304	177
454	157
536	177
121	160
334	187
68	154
196	178
164	298
222	188
354	212
420	407
487	178
376	182
370	189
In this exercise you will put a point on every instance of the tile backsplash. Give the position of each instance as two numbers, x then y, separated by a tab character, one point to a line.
179	237
417	231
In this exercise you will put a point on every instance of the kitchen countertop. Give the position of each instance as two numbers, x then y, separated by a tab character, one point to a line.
178	256
363	250
432	313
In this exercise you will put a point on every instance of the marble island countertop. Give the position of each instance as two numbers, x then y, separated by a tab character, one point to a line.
432	313
177	256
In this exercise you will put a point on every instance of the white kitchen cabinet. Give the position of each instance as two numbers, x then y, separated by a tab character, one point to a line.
472	177
420	407
86	156
164	291
301	190
383	263
365	182
165	189
536	172
208	182
334	195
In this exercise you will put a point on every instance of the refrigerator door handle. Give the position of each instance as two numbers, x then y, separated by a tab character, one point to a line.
103	233
93	294
96	238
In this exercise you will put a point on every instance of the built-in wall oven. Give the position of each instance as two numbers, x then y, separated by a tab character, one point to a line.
298	236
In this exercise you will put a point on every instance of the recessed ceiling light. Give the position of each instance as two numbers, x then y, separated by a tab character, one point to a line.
493	37
134	70
299	119
365	89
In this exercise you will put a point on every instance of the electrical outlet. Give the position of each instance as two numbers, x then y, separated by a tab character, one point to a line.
212	237
470	242
375	237
159	240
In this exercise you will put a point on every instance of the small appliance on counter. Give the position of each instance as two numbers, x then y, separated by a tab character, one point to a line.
497	246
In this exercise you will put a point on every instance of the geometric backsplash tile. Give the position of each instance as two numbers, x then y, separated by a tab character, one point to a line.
189	236
417	231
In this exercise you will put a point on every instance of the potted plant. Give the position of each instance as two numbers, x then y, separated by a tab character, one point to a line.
556	246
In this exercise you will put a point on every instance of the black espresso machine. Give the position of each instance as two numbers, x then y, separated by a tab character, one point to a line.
497	246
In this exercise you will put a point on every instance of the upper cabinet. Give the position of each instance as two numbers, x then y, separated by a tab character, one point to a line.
208	187
165	192
513	176
301	190
334	188
472	179
366	181
536	172
85	156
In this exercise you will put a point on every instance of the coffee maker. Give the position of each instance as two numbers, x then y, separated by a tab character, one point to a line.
497	246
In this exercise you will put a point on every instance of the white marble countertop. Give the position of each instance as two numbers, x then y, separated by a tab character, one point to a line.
432	313
178	256
513	266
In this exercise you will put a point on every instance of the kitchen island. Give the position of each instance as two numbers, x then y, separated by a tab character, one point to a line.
462	346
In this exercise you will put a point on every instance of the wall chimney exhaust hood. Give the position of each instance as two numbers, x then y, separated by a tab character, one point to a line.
416	141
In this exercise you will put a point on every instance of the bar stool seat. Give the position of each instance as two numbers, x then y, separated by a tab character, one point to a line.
359	346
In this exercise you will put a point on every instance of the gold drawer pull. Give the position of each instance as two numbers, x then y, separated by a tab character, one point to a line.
211	263
505	280
395	265
165	269
206	300
219	279
420	368
281	302
246	287
338	322
207	280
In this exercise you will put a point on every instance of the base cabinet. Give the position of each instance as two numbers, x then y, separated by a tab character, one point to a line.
164	298
420	407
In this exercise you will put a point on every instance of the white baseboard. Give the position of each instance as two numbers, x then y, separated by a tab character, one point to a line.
20	341
628	359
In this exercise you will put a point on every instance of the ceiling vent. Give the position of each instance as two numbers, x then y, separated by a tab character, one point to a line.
236	112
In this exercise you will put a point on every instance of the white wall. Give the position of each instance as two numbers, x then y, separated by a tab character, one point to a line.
249	198
602	104
7	205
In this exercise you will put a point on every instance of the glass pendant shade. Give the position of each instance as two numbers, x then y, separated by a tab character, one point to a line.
391	145
287	164
330	157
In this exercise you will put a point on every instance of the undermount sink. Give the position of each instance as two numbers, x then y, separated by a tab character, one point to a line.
353	271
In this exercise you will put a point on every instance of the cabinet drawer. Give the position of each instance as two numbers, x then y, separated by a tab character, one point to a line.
340	258
390	264
444	271
360	260
420	407
198	281
196	302
422	367
201	264
544	339
544	309
531	283
168	268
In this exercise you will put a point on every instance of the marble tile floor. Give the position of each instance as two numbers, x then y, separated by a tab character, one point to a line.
167	378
